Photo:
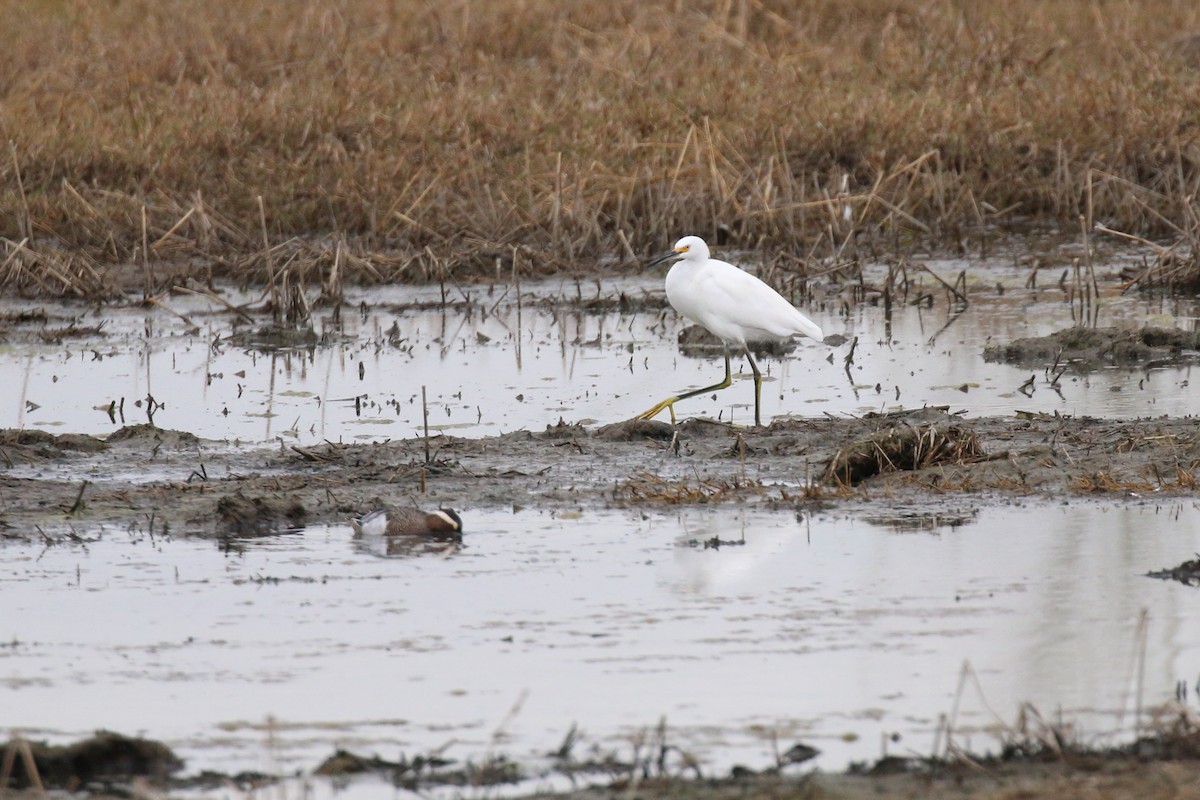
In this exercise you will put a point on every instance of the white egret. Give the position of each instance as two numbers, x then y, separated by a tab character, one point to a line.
734	306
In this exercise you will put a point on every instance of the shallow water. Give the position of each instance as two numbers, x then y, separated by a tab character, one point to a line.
268	653
504	367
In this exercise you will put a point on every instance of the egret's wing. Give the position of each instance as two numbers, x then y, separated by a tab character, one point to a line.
748	307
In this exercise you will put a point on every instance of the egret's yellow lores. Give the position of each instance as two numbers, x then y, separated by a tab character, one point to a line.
734	306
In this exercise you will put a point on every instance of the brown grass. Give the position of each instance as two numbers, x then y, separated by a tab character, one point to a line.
435	138
647	487
902	448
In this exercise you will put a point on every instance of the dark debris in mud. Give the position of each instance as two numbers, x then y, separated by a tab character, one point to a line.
413	774
103	758
1085	349
1187	573
33	446
72	331
240	515
1036	759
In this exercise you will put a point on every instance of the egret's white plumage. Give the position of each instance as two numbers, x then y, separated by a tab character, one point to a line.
733	305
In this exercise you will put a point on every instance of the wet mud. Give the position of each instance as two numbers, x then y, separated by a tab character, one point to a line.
1088	349
1165	763
90	763
901	465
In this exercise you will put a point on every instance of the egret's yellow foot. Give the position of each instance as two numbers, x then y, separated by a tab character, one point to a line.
668	404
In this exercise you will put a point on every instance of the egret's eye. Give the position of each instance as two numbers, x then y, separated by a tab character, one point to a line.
683	249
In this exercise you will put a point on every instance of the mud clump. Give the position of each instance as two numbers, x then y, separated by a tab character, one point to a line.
563	431
1087	349
691	428
344	762
104	757
633	429
153	436
31	447
240	515
903	447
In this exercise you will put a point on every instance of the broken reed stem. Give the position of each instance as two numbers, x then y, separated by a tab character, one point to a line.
171	232
849	359
334	286
78	504
25	224
1087	250
276	305
516	277
425	416
961	296
18	746
147	284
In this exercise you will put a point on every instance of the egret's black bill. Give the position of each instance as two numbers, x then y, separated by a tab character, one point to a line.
662	258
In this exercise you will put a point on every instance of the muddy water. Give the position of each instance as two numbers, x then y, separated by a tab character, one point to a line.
837	632
505	366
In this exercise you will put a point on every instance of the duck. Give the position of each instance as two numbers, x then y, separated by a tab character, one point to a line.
408	522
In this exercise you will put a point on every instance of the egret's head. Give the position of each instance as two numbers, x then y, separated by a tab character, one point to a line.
690	247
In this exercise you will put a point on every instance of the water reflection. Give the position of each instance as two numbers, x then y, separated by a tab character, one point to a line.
404	546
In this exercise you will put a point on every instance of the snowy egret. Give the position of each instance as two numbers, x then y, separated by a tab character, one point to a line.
734	306
407	522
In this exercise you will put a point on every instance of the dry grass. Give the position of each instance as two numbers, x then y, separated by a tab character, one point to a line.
459	138
647	487
902	448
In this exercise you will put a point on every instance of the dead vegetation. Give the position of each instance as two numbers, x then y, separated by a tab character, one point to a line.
88	763
648	487
378	141
903	447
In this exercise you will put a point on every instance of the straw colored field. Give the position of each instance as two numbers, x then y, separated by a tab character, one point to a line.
455	137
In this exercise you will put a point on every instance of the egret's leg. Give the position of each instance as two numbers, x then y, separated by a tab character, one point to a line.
670	402
757	389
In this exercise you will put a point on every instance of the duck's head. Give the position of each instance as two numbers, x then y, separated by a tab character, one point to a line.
445	520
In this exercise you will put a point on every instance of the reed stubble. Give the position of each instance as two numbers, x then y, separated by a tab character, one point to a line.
422	139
